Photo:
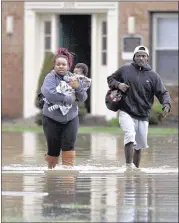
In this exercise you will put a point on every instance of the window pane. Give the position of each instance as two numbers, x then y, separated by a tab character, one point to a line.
167	66
47	43
104	43
167	33
104	58
104	28
130	43
48	27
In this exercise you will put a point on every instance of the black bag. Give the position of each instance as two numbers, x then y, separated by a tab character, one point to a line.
113	99
40	100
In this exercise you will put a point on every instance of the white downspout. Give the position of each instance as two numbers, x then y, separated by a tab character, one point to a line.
29	63
94	62
112	47
55	34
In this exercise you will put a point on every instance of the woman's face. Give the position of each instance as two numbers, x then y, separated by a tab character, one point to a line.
61	66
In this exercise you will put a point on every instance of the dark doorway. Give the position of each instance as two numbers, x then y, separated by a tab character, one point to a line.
75	35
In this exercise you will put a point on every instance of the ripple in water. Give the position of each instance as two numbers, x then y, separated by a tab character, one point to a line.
85	169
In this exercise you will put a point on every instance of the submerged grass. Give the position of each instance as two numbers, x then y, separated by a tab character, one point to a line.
96	129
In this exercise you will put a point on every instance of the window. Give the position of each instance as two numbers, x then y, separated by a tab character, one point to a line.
130	43
47	36
165	47
104	43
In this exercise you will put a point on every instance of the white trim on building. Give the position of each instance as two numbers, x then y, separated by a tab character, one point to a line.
35	15
158	45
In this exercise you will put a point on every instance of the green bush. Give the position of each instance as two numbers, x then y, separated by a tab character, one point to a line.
155	116
82	110
38	118
46	68
157	107
114	122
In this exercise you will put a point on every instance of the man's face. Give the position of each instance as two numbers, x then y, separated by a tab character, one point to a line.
141	59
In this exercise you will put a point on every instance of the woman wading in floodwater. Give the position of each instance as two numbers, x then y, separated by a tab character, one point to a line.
61	130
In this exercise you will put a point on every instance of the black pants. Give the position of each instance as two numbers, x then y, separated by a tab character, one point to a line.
60	136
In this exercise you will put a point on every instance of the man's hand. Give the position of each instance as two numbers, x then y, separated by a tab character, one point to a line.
166	111
123	87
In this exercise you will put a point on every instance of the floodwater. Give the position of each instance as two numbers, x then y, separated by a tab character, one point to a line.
97	189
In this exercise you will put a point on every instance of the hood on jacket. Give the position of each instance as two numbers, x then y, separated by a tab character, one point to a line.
146	67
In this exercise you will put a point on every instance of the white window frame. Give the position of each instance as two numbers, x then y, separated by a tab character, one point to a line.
54	19
44	18
128	56
102	37
47	35
154	35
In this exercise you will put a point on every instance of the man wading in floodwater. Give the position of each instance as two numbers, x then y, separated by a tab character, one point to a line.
141	84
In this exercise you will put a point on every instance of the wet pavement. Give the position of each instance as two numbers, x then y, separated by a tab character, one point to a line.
97	189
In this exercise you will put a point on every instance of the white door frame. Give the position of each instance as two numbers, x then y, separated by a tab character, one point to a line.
33	57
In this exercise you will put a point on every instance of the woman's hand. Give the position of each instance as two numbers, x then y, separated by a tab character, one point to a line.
74	83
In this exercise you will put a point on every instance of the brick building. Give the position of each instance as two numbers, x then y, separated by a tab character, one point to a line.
12	61
98	32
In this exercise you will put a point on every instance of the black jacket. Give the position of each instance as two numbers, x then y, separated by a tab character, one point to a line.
144	84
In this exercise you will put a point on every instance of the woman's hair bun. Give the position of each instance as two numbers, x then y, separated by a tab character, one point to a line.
64	52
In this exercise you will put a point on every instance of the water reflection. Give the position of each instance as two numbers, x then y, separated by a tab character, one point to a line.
62	193
131	198
122	197
104	199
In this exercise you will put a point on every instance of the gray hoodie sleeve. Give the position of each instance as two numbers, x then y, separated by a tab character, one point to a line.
48	89
80	93
114	79
161	93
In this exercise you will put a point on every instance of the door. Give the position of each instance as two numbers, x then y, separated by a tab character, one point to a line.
75	35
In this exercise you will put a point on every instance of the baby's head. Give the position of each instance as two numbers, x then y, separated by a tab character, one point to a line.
81	68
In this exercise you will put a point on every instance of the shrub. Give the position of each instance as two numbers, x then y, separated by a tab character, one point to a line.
38	118
47	66
114	122
82	110
155	116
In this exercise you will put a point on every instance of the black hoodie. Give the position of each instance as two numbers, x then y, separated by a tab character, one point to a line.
144	84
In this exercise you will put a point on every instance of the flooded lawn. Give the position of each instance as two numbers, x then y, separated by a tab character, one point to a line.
97	189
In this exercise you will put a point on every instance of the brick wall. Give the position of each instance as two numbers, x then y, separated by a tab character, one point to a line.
141	12
12	61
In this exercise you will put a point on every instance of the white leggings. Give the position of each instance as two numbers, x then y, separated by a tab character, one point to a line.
135	131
